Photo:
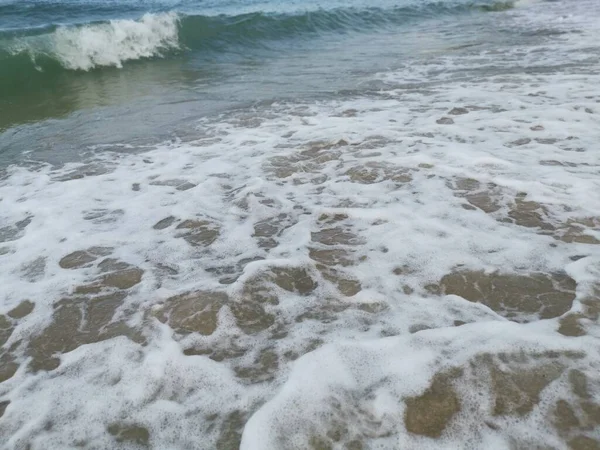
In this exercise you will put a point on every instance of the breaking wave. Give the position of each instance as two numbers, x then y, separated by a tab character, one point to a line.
112	43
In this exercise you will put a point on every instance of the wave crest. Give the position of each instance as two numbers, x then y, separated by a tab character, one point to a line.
103	44
112	43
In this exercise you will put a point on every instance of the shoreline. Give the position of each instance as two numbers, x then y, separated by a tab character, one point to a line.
411	264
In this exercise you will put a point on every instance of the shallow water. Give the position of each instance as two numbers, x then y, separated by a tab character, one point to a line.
377	239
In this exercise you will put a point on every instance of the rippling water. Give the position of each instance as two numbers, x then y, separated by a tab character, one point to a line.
299	225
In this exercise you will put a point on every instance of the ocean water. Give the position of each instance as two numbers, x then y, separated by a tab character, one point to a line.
273	225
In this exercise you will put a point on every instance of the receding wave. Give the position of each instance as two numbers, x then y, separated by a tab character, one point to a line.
115	42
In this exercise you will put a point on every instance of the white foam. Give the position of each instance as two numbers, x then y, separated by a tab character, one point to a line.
371	379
